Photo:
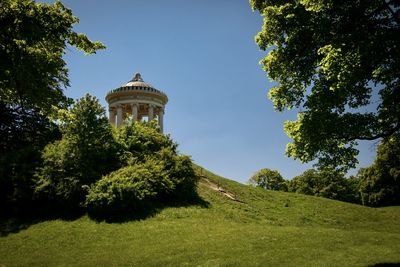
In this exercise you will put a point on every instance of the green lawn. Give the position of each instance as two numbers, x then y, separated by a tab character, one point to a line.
263	228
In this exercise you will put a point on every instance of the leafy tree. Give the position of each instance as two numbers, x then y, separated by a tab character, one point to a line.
331	59
353	185
269	179
87	128
33	38
326	183
305	183
86	151
379	184
20	146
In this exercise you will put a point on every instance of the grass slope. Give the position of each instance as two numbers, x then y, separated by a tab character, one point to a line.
263	228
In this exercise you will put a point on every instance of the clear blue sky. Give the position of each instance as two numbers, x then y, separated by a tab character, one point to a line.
202	54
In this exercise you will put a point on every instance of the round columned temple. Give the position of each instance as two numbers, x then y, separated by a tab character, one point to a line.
137	99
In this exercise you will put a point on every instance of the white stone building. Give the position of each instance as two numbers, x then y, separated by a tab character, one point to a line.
137	99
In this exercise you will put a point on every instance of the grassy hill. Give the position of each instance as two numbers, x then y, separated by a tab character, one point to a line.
234	224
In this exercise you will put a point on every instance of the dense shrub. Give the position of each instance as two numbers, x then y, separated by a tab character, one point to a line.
128	189
179	170
161	177
137	140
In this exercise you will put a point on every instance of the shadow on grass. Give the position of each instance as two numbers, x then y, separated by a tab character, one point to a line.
147	211
10	225
13	223
386	264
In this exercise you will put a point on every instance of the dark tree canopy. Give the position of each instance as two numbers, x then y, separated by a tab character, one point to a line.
33	75
338	62
379	184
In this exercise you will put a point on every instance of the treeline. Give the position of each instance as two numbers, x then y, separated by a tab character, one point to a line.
376	185
78	162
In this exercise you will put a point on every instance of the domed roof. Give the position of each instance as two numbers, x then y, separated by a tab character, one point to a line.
137	81
137	84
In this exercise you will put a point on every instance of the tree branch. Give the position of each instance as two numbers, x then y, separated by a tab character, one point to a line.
380	135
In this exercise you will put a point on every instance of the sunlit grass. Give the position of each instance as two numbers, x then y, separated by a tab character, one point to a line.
265	228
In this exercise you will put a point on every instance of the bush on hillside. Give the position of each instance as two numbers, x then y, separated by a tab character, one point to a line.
129	189
164	176
153	172
140	139
82	168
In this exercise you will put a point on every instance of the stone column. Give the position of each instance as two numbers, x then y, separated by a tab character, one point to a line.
151	112
119	115
134	107
111	116
161	120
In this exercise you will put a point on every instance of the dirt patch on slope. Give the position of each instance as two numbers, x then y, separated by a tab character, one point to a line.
218	188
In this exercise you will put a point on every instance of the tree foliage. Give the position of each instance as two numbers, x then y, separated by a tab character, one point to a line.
140	139
326	183
153	173
269	179
111	171
86	151
33	38
379	184
23	135
338	62
33	74
127	190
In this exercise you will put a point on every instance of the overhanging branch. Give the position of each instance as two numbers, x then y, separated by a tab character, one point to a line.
380	135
